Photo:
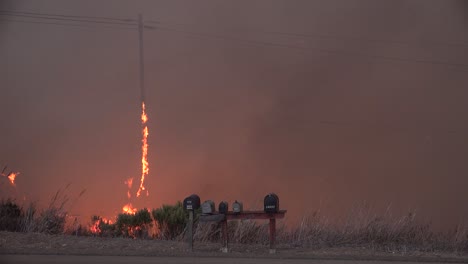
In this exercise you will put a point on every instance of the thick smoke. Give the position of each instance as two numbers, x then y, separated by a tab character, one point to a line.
368	108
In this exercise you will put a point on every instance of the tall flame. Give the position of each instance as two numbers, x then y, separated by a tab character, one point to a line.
128	208
144	151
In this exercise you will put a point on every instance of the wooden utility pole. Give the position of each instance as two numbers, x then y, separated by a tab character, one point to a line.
142	65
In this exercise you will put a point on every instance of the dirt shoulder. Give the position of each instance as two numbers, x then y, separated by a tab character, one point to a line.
36	243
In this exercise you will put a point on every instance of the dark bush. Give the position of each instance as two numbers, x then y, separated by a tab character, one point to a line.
10	216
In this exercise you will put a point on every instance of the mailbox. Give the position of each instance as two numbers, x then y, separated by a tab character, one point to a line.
223	207
271	203
192	202
237	207
208	207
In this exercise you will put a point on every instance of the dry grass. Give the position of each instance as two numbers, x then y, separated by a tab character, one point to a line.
360	229
50	220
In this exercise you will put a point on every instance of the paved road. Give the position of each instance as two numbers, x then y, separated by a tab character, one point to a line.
20	259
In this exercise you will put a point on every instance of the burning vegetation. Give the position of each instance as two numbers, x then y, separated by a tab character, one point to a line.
128	208
11	176
361	229
131	222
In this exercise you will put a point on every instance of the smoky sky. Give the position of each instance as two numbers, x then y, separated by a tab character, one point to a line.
327	103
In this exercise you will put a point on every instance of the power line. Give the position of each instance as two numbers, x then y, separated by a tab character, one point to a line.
66	24
70	16
324	36
289	34
69	19
328	51
222	37
391	127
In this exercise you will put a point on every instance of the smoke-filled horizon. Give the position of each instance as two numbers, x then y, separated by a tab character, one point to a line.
329	104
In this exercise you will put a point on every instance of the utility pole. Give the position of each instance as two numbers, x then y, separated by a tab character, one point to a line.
142	66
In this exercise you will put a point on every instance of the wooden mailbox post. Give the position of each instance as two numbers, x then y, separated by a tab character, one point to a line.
223	218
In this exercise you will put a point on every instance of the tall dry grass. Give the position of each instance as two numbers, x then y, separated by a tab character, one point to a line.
360	228
50	220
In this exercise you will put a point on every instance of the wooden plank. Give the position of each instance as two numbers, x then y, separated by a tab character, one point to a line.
223	218
255	215
212	218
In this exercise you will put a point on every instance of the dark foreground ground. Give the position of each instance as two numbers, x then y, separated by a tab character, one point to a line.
41	248
19	259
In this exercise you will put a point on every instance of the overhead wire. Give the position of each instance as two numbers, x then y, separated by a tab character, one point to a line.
322	36
67	24
308	49
67	19
69	16
92	20
89	20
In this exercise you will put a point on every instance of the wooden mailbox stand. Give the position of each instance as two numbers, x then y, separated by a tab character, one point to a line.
223	218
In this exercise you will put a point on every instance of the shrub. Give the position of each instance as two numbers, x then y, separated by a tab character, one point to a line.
10	216
136	225
171	220
101	227
14	218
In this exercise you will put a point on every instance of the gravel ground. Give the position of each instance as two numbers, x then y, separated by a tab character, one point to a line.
42	244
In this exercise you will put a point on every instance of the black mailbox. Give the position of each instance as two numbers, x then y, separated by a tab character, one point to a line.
192	202
271	203
223	207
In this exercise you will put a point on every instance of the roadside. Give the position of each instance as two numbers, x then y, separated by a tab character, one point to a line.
15	243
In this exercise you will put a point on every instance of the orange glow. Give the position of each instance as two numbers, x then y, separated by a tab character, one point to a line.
129	209
95	227
11	177
129	182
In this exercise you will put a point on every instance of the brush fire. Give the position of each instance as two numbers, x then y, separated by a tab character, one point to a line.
128	208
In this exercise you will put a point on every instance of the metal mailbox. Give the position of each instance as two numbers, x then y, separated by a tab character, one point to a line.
192	202
223	207
208	207
237	207
271	203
